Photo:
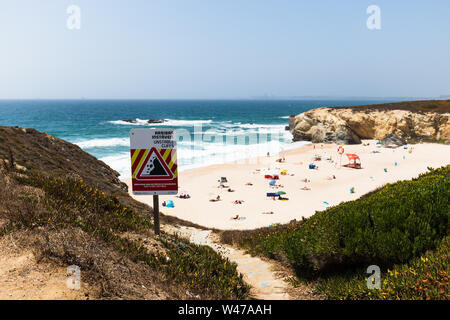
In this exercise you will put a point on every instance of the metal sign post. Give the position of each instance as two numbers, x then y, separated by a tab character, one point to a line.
156	214
154	169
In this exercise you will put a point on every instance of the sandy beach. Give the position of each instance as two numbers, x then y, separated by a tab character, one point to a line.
379	166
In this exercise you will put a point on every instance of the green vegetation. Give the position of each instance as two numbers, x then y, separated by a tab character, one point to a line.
425	277
440	106
389	228
59	203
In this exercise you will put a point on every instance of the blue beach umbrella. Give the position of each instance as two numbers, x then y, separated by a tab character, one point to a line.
272	183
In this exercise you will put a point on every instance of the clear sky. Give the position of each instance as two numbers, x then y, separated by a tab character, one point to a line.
223	49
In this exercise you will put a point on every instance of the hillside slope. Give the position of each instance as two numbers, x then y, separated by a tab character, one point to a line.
59	206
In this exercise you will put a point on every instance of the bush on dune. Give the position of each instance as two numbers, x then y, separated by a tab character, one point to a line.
424	277
393	225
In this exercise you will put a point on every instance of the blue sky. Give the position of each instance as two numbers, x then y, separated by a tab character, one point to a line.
223	49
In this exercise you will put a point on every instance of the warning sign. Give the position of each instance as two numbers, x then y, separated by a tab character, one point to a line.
154	161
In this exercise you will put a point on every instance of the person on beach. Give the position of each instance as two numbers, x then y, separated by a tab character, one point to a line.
313	166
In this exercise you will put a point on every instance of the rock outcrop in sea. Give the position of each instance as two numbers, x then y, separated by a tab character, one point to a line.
150	121
394	123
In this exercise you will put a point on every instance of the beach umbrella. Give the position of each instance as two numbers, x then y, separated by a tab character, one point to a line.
280	193
272	183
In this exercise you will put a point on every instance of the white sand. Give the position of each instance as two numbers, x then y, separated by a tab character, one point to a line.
202	183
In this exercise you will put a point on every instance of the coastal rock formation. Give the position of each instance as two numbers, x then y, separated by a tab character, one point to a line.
394	124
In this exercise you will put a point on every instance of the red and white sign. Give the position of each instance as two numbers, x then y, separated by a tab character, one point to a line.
154	167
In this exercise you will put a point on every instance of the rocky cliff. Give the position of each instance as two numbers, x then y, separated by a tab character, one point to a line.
394	123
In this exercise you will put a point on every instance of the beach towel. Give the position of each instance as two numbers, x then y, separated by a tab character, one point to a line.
273	182
274	224
169	204
312	166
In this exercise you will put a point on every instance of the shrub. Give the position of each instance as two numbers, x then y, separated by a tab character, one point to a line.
398	222
424	277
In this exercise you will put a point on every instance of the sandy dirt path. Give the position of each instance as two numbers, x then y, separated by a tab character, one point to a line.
23	278
266	281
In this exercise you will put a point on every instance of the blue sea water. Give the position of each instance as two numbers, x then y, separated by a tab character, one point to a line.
219	130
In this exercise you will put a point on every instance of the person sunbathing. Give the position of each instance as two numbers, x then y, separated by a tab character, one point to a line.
306	188
236	217
306	180
249	184
230	190
216	199
268	212
238	201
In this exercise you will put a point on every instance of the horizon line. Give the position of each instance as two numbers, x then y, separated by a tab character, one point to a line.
255	98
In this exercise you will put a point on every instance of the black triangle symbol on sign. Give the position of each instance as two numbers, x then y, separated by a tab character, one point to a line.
154	167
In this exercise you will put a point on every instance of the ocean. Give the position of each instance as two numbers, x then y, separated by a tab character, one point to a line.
215	131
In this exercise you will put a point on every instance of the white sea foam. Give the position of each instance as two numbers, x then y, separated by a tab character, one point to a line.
121	163
110	142
167	122
214	143
200	154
